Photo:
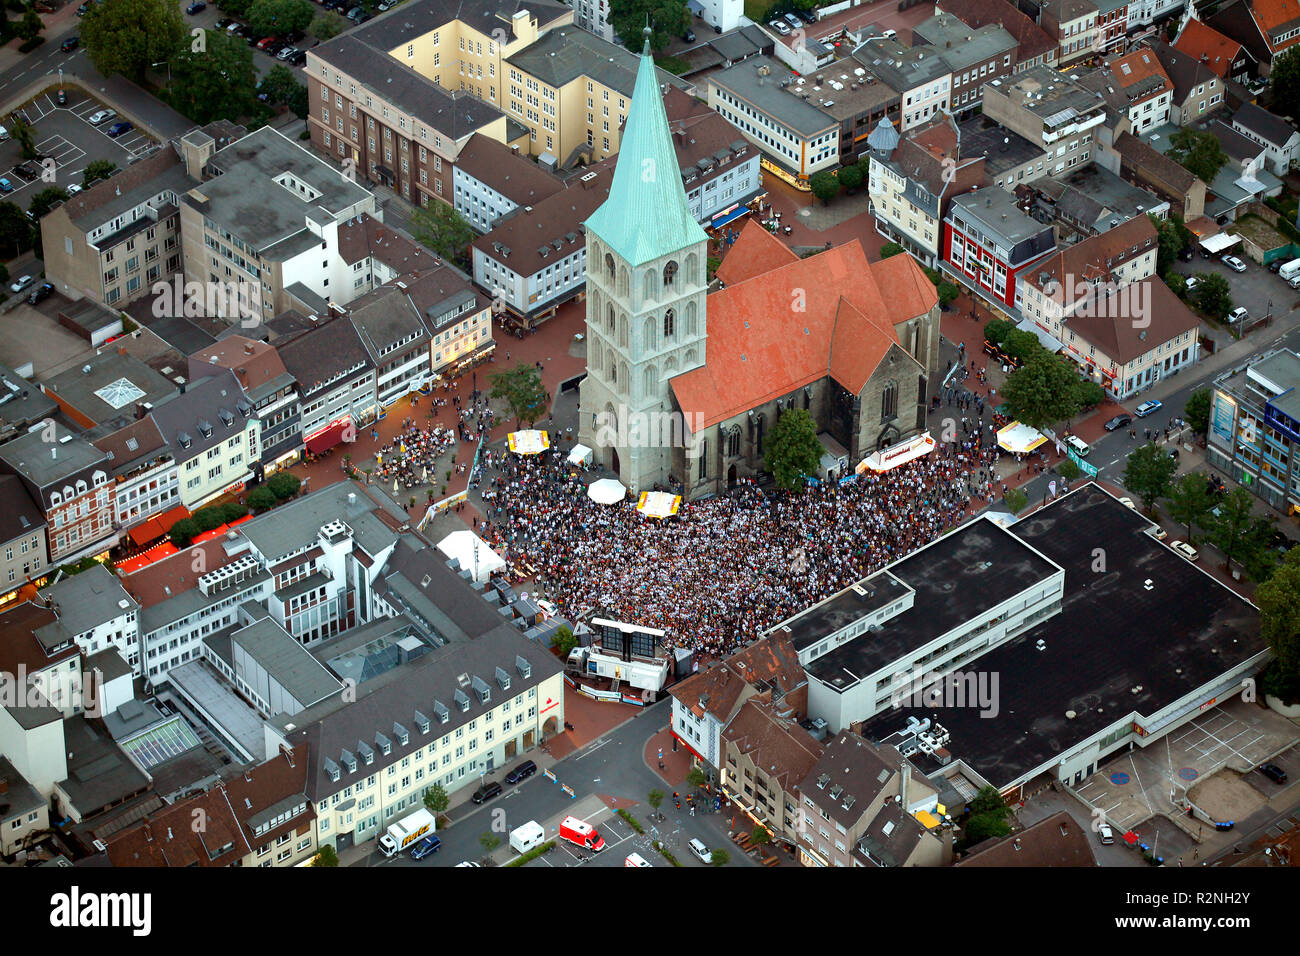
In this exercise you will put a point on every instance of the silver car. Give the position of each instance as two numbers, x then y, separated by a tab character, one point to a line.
1233	263
779	27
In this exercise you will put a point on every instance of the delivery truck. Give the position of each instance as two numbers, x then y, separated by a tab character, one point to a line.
524	838
582	833
406	832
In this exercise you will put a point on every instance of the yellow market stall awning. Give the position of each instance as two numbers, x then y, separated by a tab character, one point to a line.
658	504
530	441
1019	438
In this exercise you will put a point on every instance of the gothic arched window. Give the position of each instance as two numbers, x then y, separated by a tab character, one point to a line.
670	272
733	441
692	274
610	321
648	286
670	324
648	334
622	331
889	402
692	319
609	266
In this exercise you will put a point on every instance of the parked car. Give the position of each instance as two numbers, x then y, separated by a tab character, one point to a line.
223	23
1276	265
355	14
468	863
1106	834
780	27
1127	502
1233	263
1237	315
101	117
83	9
1273	772
636	859
298	59
486	792
5	185
26	171
1186	253
69	44
117	129
1159	533
198	6
286	52
1295	282
1193	282
891	34
266	42
702	852
1280	542
21	284
1119	421
234	27
40	293
1146	408
1185	549
522	772
61	98
426	847
795	22
807	16
689	36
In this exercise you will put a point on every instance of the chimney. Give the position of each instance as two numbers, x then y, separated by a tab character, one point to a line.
904	778
248	348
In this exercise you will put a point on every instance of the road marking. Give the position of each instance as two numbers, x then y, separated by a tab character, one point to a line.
592	750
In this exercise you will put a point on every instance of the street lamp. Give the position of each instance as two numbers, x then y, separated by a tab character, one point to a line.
168	64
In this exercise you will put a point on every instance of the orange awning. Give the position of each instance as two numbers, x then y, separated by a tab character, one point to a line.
146	531
171	516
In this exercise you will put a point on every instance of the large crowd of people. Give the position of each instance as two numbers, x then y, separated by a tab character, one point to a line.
724	570
411	458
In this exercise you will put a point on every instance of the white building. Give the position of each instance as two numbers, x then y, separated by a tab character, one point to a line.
97	612
723	14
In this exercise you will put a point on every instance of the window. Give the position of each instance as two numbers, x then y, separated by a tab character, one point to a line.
889	402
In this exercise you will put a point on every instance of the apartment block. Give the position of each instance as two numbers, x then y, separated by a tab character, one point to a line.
146	481
268	387
335	380
1136	87
493	180
922	77
1051	110
990	243
1076	27
22	539
977	55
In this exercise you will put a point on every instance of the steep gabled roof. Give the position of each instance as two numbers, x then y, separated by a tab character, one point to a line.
1207	45
755	252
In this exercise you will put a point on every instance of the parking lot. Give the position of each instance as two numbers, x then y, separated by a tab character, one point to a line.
65	135
1135	786
1253	289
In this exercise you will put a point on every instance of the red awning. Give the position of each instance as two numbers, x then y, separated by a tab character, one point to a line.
327	439
146	531
171	516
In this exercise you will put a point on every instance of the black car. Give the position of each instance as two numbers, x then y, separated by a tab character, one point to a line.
83	9
40	293
486	792
198	6
1273	772
26	171
222	23
522	772
689	36
1186	254
1276	265
807	16
1119	421
298	59
62	98
69	44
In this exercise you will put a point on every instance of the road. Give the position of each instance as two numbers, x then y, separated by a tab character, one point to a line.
611	766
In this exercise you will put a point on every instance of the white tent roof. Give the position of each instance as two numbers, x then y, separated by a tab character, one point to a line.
579	455
1219	241
461	546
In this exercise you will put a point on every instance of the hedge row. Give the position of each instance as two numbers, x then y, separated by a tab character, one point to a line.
532	854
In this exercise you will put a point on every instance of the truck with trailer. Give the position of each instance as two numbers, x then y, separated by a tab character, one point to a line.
406	832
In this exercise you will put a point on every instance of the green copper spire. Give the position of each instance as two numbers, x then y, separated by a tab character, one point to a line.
646	215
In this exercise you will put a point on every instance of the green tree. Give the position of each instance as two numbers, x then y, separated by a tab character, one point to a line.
1068	470
1278	600
1197	411
655	798
442	229
997	330
236	8
15	230
183	532
864	168
215	83
1022	345
891	249
1148	472
284	484
947	292
759	836
1285	81
791	450
96	170
719	857
283	89
278	17
824	185
1173	237
1090	394
1188	501
326	856
126	36
30	26
1015	500
523	391
326	27
982	826
564	642
232	511
436	799
260	499
490	841
1214	295
1239	534
24	136
668	19
850	178
1177	283
1199	153
1043	390
45	200
697	777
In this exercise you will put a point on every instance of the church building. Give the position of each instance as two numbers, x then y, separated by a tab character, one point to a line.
855	343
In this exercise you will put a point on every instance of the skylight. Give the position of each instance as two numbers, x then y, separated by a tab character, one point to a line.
120	393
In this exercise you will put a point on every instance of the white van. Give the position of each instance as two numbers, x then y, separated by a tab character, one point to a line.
4	134
1081	447
524	838
1290	270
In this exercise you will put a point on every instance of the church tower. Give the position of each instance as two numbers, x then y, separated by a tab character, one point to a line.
646	287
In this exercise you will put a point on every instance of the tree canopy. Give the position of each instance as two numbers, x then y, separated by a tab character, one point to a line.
1213	294
1188	502
1148	472
1285	80
127	36
96	170
1278	600
216	82
1241	536
440	227
791	450
1043	390
523	391
825	186
278	17
1197	410
1199	153
668	19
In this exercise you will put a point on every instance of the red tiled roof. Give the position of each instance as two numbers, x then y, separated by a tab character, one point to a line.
1271	14
754	252
793	325
169	838
1142	65
150	584
1202	42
